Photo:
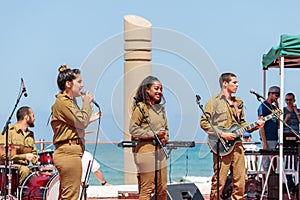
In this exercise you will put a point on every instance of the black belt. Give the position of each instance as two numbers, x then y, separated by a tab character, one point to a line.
69	141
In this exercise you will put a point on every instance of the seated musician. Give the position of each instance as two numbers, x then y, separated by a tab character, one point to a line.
22	142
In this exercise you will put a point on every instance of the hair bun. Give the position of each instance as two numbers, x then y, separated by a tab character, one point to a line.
63	67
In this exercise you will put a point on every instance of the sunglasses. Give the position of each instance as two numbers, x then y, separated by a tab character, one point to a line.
277	94
289	99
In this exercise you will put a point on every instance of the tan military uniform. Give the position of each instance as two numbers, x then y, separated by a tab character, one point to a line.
144	153
68	124
24	143
223	115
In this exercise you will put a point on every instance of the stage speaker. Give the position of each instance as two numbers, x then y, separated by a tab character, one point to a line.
184	191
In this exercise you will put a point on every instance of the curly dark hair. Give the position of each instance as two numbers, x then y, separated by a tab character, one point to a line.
142	95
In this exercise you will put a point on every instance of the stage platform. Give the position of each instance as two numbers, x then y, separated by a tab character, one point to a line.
130	192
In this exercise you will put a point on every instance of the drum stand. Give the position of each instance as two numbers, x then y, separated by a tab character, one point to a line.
9	175
8	178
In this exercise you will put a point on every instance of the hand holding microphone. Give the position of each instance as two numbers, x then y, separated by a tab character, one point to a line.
88	97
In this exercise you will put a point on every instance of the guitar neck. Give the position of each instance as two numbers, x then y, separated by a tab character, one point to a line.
254	124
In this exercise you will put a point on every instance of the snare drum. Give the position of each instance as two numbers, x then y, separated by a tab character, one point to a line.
46	157
14	180
40	186
46	160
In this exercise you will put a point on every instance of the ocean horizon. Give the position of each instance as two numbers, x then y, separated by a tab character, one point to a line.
184	164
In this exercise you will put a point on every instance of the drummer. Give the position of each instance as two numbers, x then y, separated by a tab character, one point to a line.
23	143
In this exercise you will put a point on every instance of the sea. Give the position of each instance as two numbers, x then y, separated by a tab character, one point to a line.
184	164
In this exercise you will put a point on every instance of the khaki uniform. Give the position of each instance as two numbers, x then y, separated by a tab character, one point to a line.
223	115
26	143
68	124
144	153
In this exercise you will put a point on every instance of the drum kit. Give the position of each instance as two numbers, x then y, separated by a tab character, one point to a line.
42	183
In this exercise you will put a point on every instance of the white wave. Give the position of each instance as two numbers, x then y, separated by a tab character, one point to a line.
197	179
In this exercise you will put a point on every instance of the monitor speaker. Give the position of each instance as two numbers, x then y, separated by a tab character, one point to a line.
184	191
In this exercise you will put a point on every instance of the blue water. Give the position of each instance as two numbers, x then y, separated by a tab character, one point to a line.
196	162
183	162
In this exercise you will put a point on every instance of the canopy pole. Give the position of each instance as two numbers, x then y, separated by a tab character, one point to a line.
264	82
281	127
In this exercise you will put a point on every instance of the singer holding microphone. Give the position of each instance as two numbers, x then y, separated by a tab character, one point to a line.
68	124
148	97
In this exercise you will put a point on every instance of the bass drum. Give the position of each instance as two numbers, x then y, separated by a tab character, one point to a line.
40	186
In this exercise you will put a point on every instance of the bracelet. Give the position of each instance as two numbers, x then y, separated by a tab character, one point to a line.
103	183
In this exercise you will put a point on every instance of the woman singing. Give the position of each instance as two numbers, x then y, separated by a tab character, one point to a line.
148	99
68	124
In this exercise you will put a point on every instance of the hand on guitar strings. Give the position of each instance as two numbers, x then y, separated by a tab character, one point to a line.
227	136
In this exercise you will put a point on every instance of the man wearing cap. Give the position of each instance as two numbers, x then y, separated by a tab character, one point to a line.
269	134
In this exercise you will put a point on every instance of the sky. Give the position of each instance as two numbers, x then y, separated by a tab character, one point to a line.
193	42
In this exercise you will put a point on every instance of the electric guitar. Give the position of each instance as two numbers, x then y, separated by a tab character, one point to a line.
226	146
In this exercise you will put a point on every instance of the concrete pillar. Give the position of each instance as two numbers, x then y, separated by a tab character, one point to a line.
137	65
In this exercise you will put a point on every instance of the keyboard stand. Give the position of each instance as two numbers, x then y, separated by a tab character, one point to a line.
268	174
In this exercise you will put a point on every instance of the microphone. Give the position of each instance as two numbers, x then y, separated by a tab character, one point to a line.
258	96
23	88
93	101
198	98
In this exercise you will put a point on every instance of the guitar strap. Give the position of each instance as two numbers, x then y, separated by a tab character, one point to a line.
236	108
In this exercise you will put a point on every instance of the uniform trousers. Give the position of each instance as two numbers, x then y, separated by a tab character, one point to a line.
67	160
145	162
23	171
235	162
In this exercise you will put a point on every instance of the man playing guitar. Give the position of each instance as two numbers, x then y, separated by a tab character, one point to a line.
224	111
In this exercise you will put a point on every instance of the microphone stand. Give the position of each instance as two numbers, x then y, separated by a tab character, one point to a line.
156	142
219	141
85	184
8	162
